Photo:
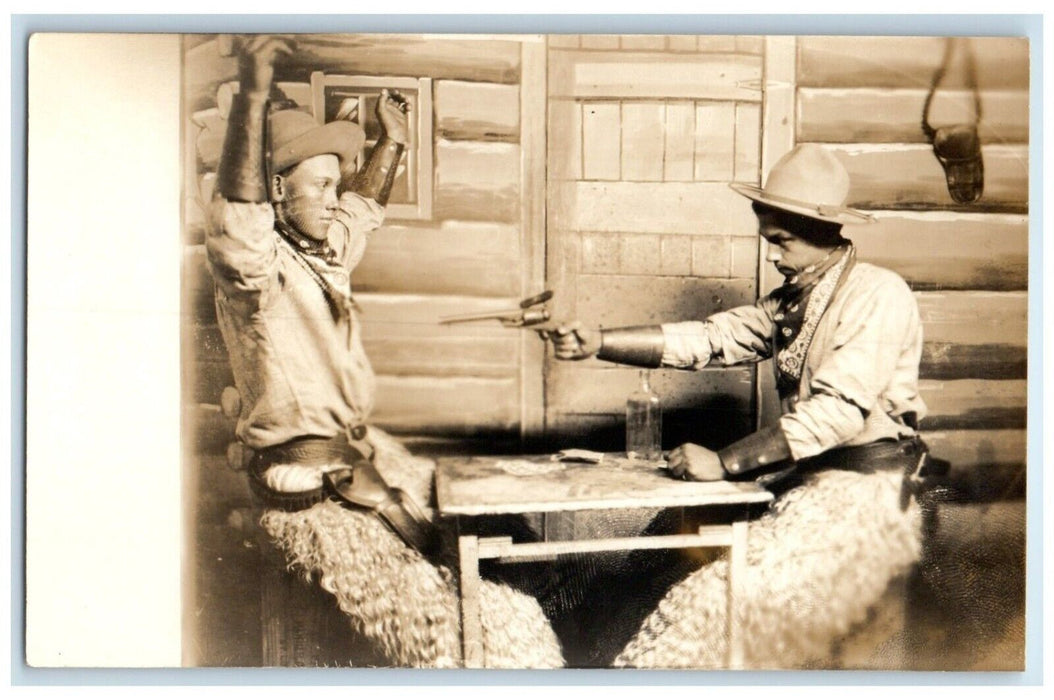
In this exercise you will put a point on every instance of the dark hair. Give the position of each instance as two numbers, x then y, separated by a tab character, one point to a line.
823	234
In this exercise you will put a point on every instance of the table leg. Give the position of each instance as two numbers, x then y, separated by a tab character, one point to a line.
737	569
471	628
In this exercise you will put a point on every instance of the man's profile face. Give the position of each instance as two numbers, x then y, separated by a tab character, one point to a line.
786	251
307	197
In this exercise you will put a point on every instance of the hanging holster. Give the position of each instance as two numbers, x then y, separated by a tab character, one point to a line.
958	147
362	486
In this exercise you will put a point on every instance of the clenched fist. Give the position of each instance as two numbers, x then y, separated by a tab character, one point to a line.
256	62
392	109
695	463
572	342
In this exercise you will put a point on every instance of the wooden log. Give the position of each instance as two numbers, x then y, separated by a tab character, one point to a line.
448	405
438	356
476	181
231	402
435	56
971	404
646	207
910	177
909	62
875	115
661	75
477	111
456	257
955	361
628	300
976	251
974	318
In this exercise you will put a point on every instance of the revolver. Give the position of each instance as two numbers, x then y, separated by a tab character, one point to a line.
532	312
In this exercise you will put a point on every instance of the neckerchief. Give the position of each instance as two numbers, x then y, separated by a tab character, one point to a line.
803	300
317	265
307	245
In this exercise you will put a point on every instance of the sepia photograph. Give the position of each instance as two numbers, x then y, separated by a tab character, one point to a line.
601	351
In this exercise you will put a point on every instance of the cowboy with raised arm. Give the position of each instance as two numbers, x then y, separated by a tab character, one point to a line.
281	248
846	339
345	505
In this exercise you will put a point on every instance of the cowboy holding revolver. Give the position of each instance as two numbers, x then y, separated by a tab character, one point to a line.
846	338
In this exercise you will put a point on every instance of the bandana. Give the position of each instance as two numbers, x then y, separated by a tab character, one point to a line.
320	262
804	298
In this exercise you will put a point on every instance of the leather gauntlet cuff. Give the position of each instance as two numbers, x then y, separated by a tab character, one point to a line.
242	173
375	179
640	346
765	448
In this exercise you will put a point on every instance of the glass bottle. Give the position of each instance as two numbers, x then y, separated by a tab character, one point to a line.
644	422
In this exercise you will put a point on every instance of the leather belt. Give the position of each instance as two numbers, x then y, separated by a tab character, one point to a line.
883	454
310	451
922	472
359	485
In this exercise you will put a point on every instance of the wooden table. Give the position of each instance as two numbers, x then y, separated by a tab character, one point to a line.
468	487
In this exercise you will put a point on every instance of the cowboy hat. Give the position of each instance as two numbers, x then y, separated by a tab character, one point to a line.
297	136
808	181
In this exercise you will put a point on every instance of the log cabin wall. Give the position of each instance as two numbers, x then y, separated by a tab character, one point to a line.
479	251
862	98
645	133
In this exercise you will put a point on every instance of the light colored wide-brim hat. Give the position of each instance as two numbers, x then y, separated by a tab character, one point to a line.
808	181
296	136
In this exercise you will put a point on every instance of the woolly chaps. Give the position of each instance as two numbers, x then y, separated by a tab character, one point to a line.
401	602
817	560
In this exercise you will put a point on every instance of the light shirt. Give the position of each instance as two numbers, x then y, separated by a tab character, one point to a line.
861	370
299	370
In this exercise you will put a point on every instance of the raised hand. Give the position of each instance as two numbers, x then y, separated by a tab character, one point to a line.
392	110
256	62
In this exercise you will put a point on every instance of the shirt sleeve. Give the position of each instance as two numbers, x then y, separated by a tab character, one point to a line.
241	249
743	334
871	336
356	218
